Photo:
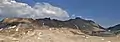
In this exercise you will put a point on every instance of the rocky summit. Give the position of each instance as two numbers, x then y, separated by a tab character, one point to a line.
52	30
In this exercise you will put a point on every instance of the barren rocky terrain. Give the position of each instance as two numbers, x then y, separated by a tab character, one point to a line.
52	35
76	30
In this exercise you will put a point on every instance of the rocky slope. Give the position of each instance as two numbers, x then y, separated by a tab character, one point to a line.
23	33
115	29
51	30
86	26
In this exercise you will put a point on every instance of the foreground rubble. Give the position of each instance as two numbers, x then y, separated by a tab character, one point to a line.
51	35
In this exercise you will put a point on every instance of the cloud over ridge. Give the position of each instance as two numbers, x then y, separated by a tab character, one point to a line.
11	8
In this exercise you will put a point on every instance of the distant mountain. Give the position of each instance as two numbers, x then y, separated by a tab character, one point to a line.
115	29
86	26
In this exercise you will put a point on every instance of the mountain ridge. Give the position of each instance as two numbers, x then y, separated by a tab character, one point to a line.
86	26
115	29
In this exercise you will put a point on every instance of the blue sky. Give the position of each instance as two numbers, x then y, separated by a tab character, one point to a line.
104	12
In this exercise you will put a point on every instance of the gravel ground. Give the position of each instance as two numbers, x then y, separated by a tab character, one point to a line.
53	35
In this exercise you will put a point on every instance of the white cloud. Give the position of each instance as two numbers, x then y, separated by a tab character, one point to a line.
74	16
10	8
